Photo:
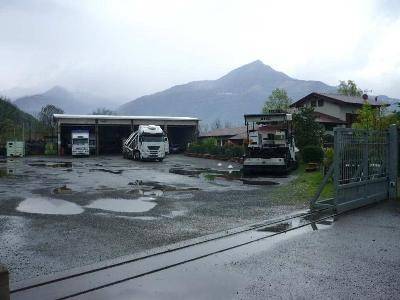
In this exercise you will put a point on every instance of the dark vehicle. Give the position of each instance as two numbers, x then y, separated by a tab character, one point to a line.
175	148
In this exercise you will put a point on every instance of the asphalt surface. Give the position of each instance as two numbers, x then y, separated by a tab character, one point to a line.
356	257
112	207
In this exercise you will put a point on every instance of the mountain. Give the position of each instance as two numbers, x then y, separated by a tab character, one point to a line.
241	91
57	96
14	124
393	103
9	111
16	92
72	103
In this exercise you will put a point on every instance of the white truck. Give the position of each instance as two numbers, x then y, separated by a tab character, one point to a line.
80	143
271	145
147	143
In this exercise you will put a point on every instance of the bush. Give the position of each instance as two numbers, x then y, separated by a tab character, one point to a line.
209	146
50	149
328	157
312	154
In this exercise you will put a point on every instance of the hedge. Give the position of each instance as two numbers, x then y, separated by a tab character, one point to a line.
312	154
207	147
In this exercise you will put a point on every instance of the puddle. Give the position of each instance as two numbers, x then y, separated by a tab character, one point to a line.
155	193
107	171
60	164
192	172
142	218
277	227
180	196
284	226
256	181
141	204
175	213
49	206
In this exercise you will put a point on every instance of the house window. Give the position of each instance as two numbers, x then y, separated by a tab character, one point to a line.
313	103
320	102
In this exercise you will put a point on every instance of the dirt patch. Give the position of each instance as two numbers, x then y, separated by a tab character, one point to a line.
62	190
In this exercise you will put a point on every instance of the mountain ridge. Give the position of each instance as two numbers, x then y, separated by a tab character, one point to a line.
242	90
74	103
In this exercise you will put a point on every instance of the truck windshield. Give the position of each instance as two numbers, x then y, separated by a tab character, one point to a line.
80	141
152	138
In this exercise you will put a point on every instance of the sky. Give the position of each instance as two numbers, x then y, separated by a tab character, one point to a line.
126	49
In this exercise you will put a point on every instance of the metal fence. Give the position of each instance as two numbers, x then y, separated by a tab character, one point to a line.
364	168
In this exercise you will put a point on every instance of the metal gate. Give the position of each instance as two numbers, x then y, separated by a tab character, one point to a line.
364	168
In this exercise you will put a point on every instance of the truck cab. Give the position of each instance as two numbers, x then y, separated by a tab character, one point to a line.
80	143
147	143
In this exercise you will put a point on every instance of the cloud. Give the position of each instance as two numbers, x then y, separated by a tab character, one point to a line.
124	49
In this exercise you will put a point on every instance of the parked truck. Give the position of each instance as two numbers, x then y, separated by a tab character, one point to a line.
271	145
147	143
80	143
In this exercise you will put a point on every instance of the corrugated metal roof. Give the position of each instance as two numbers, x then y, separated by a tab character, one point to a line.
111	117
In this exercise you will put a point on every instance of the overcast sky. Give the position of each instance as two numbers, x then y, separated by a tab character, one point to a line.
125	49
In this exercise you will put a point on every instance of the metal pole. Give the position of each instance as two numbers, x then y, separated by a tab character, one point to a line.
58	138
96	130
336	163
393	161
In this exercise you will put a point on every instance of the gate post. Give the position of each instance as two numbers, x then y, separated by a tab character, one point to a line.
393	161
4	283
336	163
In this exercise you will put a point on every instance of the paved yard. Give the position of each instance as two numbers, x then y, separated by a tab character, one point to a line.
60	213
357	257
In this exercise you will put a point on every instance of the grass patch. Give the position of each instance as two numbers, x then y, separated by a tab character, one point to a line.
301	189
210	177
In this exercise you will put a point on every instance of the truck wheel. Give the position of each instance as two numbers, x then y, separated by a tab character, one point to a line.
136	155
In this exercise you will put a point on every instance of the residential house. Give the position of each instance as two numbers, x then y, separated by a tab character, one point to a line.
235	135
334	110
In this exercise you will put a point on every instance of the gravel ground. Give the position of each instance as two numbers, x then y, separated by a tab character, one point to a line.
46	227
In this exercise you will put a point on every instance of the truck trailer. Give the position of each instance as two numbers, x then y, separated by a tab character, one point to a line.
271	145
147	143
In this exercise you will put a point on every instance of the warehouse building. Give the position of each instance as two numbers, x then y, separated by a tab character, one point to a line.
107	132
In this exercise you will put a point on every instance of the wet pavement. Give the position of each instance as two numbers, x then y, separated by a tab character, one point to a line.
355	255
61	213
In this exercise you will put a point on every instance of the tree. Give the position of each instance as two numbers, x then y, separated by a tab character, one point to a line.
349	88
278	100
103	111
46	115
307	131
374	118
216	124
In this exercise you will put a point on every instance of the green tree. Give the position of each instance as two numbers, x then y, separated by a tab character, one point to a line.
46	115
278	100
374	118
307	131
103	111
349	88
